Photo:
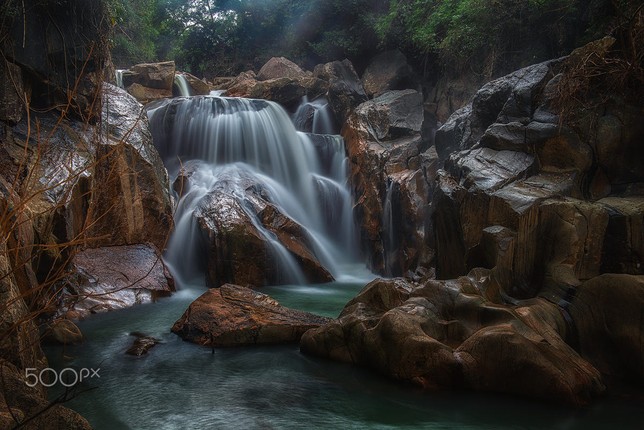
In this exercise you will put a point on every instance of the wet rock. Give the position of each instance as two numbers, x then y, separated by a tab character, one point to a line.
142	344
63	332
237	250
116	277
31	406
389	170
232	315
129	176
286	91
198	86
280	67
145	94
446	334
389	71
345	88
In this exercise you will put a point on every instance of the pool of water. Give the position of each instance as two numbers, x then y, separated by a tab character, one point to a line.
179	385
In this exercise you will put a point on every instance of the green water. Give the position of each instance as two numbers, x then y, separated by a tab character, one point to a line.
179	385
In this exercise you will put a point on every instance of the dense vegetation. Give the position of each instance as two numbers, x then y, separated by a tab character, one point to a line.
486	37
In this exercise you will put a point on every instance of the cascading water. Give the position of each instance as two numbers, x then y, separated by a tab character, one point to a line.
119	78
247	144
182	85
314	116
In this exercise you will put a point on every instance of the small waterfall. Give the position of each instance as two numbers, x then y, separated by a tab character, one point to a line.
251	146
389	236
314	117
182	85
119	78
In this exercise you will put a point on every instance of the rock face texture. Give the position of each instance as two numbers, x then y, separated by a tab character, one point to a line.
232	315
150	81
391	169
535	234
280	67
115	277
389	71
449	334
345	89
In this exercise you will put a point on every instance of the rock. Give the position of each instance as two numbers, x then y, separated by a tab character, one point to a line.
146	95
129	176
142	344
393	114
20	340
158	76
233	219
384	145
345	88
11	93
63	332
62	68
116	277
285	91
388	71
280	67
445	334
31	405
198	86
232	315
606	312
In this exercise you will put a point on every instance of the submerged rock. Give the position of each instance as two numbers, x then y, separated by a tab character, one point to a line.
116	277
232	315
142	344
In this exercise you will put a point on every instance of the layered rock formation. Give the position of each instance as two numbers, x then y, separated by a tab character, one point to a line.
391	171
232	315
536	224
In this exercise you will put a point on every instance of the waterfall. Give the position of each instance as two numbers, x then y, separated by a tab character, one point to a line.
182	85
248	148
314	117
389	239
119	78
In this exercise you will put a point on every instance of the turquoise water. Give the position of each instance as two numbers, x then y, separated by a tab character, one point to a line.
179	385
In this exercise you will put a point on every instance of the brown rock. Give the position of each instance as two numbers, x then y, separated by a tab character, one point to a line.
233	316
280	67
198	86
64	332
146	95
151	75
445	334
116	277
132	203
142	344
607	313
285	91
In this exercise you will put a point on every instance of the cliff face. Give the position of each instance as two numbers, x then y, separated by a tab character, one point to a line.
77	170
536	218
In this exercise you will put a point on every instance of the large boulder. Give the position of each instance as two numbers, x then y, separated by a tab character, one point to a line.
390	171
151	75
131	194
287	91
447	334
345	88
232	315
389	71
280	67
245	235
116	277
